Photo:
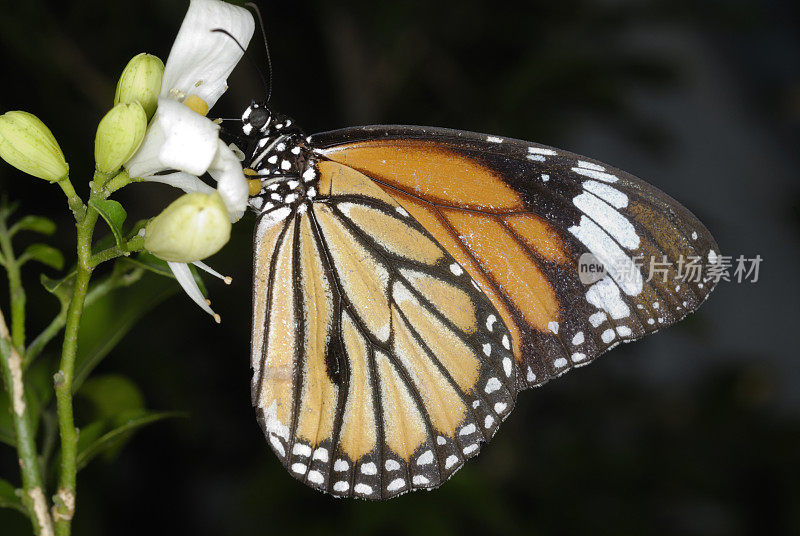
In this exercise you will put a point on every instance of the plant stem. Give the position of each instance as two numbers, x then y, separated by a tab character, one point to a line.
73	200
33	497
64	501
15	290
134	244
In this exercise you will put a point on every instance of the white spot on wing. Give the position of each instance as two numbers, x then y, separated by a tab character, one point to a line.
299	468
341	465
301	450
396	484
492	385
420	480
595	174
507	366
369	469
425	458
607	193
541	150
608	336
589	165
363	489
611	221
595	319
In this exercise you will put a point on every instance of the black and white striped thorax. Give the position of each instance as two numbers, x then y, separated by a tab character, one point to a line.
277	155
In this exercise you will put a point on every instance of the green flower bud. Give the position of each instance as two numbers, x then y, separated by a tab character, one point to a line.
193	227
119	135
28	145
141	81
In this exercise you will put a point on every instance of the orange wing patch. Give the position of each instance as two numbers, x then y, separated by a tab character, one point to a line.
431	172
538	236
508	264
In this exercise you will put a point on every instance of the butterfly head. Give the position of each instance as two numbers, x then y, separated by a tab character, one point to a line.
256	119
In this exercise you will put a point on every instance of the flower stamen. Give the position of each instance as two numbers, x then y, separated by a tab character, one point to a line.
206	268
196	104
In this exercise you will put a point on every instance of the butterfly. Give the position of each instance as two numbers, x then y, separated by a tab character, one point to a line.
409	282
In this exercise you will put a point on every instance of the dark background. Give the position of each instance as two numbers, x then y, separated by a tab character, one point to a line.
692	431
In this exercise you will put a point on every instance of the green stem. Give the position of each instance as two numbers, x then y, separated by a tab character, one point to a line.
134	244
119	181
39	343
73	200
15	288
64	501
33	491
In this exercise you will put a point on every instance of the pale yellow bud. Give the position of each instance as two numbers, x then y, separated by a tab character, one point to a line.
119	135
141	81
28	145
193	227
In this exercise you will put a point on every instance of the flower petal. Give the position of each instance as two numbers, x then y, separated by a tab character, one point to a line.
190	140
145	161
226	169
185	181
184	276
177	138
200	61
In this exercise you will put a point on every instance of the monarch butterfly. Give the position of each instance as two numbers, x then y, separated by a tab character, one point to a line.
410	281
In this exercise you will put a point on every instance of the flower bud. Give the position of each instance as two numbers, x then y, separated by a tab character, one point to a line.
119	135
28	145
193	227
141	81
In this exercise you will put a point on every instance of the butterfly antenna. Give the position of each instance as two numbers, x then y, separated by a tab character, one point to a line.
254	7
249	58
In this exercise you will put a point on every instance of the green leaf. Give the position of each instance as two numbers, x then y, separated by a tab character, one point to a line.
8	497
106	321
114	214
45	254
119	435
61	288
112	394
37	224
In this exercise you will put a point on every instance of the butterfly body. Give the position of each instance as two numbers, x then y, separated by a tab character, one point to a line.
410	281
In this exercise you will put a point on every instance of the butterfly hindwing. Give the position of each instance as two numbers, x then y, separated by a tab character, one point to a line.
518	216
379	365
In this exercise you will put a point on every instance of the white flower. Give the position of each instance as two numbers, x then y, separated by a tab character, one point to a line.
181	143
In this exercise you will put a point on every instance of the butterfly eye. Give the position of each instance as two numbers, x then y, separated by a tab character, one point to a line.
259	117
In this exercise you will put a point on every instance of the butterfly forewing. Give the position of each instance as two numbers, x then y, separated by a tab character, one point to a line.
519	216
379	364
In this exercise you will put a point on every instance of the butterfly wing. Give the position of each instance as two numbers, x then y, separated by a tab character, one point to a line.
518	216
379	365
